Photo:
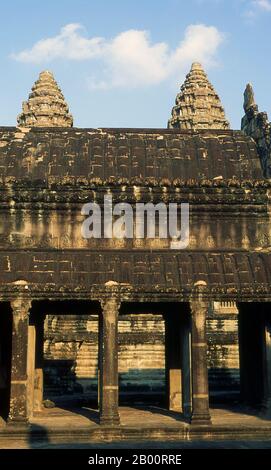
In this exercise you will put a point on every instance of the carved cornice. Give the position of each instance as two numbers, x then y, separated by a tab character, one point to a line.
9	292
73	182
61	195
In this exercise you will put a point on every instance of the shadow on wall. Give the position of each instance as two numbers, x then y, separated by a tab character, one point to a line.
38	437
224	385
138	386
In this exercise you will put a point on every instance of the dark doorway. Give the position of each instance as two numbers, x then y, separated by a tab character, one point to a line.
251	347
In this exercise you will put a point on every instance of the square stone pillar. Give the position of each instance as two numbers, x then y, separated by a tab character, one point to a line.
108	350
18	412
39	362
31	369
200	389
186	362
35	363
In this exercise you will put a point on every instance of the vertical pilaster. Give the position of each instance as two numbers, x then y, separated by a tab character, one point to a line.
109	390
173	361
35	362
31	368
39	362
18	412
200	389
186	363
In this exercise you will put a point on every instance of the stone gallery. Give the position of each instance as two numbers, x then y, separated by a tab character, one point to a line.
129	335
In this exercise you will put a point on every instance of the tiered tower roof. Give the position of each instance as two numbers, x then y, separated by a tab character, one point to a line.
198	105
46	105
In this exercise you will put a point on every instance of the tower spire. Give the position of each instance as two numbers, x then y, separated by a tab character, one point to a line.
46	105
197	105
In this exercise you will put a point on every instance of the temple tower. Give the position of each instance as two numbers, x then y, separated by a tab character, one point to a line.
197	105
46	105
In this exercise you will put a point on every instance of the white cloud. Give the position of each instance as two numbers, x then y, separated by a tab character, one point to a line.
262	4
68	44
130	58
255	7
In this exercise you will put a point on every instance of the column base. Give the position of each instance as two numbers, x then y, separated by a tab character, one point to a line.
19	422
201	419
2	422
110	420
266	409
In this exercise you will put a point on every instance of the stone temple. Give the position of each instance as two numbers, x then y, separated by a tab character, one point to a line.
124	336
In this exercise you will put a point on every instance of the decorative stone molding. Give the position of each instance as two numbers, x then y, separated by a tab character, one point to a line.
199	305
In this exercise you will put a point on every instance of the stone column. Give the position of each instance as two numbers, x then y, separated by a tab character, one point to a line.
200	389
109	390
18	412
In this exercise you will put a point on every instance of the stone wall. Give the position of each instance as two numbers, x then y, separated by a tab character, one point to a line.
223	351
71	356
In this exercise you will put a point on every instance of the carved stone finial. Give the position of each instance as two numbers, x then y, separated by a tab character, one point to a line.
197	105
249	99
46	105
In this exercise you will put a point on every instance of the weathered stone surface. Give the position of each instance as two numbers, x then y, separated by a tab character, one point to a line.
108	360
256	125
223	351
199	369
125	157
46	106
71	354
19	412
197	105
45	177
152	275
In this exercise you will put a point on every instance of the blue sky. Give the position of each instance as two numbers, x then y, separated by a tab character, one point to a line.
120	63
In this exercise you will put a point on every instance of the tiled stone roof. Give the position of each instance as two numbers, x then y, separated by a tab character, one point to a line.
232	274
127	153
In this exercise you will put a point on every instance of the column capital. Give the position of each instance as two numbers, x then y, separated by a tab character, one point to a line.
21	308
111	302
199	310
199	303
110	307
